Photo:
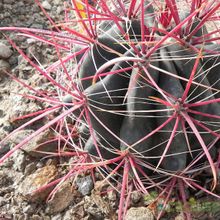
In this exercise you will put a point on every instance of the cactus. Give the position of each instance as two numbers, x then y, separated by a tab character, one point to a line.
143	94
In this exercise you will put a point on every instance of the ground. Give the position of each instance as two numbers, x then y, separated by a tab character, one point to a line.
27	170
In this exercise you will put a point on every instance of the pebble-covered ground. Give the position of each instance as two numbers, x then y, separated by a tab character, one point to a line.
27	170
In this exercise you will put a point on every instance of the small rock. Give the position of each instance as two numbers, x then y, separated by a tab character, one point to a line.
136	196
2	113
40	143
101	186
5	180
7	190
57	217
34	52
95	212
3	148
15	139
180	216
8	2
29	209
113	198
37	26
85	185
61	198
97	206
31	41
40	164
13	61
21	216
46	5
36	217
7	127
68	215
28	188
19	160
2	201
29	168
21	60
4	67
59	9
78	210
139	213
5	51
112	195
56	2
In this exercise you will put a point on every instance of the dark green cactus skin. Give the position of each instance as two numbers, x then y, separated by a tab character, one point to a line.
98	55
184	69
130	92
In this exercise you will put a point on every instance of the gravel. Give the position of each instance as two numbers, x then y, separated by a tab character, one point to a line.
25	171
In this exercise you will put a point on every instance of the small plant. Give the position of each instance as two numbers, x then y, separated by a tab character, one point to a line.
139	81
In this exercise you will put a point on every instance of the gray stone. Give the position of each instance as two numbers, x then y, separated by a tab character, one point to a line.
95	213
13	61
136	196
2	201
19	160
7	127
5	51
31	41
37	26
46	5
139	213
2	113
59	9
8	1
15	139
3	148
29	209
85	185
21	60
4	179
68	215
29	168
97	206
7	14
112	195
36	217
34	52
39	143
180	216
78	210
56	2
4	67
57	217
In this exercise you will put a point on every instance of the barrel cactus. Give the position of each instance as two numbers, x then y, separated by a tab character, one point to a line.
139	81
